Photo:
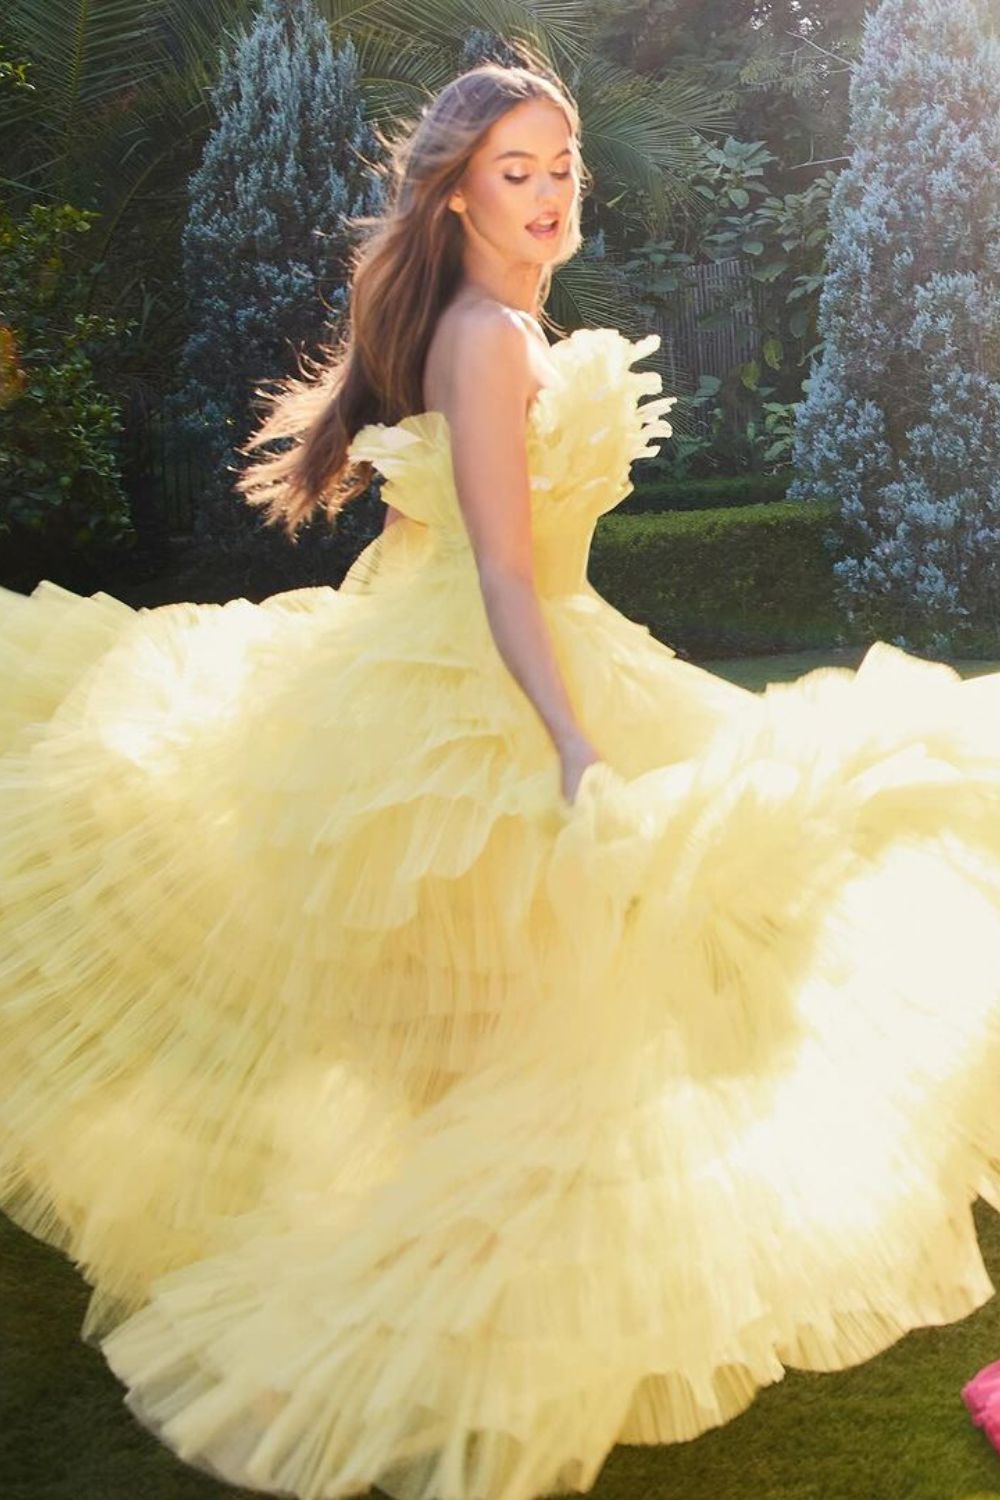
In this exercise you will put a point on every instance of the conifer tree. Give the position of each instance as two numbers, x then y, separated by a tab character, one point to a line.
265	244
901	421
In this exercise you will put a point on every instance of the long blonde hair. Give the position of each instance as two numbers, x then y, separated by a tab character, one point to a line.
401	279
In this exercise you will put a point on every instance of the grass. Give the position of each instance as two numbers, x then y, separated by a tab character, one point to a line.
893	1428
757	671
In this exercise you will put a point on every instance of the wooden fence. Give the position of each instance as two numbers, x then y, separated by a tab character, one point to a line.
689	351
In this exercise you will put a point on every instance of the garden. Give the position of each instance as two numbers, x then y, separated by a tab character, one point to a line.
807	219
800	197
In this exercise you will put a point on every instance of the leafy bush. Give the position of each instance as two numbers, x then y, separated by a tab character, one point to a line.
782	240
703	494
60	488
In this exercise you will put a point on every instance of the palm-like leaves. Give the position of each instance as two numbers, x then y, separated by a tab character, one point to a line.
85	60
638	136
121	103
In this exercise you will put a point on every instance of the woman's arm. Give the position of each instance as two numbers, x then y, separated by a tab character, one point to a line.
487	415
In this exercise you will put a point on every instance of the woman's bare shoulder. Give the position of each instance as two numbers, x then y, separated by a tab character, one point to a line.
468	323
469	335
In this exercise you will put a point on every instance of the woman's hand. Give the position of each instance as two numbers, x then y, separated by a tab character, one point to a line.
575	755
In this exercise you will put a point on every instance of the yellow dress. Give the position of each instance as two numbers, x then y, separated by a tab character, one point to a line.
416	1128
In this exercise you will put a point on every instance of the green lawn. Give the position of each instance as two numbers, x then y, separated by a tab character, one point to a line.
894	1428
756	671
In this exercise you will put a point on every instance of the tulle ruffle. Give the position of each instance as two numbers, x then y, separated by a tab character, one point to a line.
584	431
740	1132
415	1128
209	897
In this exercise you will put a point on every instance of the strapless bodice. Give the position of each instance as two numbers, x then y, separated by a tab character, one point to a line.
584	430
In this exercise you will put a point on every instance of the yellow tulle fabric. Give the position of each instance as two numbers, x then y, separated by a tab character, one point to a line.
416	1128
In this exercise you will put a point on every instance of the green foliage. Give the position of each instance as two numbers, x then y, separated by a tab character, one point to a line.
787	237
703	494
729	175
759	448
267	240
902	412
123	106
59	481
721	582
14	74
783	239
781	66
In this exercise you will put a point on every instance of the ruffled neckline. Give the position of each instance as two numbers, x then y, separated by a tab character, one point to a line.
433	422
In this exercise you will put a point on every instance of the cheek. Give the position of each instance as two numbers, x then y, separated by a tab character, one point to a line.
503	208
491	211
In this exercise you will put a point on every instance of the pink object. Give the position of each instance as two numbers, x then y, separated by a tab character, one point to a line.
982	1396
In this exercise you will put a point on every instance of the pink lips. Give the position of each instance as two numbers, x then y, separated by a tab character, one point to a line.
540	232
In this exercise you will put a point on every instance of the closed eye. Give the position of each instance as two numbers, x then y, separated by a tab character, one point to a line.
561	175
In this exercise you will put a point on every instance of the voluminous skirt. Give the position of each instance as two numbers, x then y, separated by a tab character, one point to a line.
416	1128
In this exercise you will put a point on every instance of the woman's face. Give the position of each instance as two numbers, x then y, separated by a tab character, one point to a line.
524	173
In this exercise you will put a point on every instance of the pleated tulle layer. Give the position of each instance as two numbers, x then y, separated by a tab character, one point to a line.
210	893
740	1131
415	1128
464	1146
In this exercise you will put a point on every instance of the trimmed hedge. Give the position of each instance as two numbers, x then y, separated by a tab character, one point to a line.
704	494
731	581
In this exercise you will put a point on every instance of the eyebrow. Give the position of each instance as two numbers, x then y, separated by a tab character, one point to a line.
566	151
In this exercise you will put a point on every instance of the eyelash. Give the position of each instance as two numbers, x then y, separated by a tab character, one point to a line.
562	176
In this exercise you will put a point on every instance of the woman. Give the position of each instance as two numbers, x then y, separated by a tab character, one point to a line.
452	1034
